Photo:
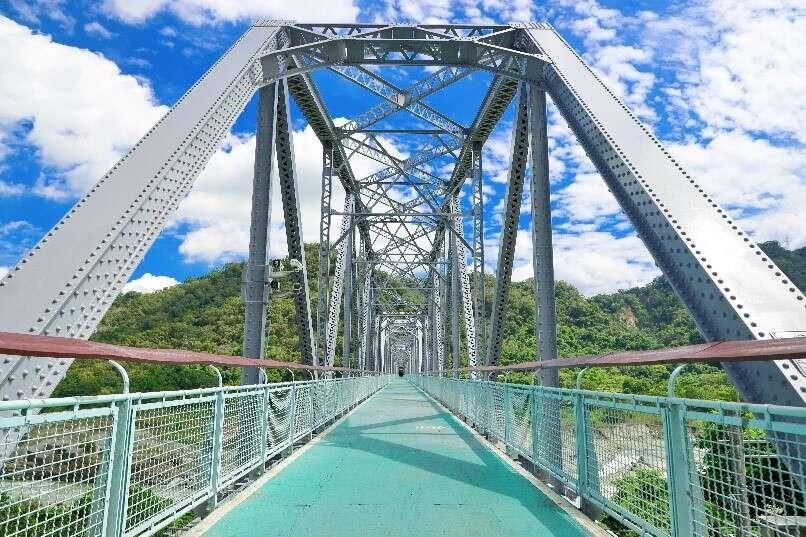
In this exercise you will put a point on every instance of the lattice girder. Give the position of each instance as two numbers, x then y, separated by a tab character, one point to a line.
402	212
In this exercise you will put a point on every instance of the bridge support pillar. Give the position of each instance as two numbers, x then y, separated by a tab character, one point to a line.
347	332
455	301
255	288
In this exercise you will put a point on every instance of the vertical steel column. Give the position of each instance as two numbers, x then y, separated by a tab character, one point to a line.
548	441
432	324
382	344
289	192
542	252
366	322
419	343
479	299
338	283
445	303
324	247
455	300
255	290
347	329
509	226
457	237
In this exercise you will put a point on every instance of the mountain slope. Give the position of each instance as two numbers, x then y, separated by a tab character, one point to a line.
206	314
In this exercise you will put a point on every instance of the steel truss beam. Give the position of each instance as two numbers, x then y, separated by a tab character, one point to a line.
458	245
338	279
255	290
509	226
542	251
67	282
289	193
394	46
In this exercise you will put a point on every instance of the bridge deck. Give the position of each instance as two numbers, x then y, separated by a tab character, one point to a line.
398	465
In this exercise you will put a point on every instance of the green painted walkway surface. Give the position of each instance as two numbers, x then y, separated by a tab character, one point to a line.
398	465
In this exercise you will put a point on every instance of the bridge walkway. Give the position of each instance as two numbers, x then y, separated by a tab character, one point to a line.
399	465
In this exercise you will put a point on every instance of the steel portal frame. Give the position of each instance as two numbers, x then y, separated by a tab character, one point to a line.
406	220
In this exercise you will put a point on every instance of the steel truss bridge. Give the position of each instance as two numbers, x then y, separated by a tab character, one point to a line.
401	273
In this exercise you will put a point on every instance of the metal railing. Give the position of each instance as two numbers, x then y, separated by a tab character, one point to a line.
661	466
132	464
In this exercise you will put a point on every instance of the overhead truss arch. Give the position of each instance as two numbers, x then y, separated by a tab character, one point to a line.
405	274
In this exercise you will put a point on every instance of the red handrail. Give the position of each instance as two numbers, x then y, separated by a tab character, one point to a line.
721	351
62	347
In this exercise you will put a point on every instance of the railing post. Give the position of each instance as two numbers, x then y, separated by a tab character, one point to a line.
264	434
115	511
587	465
487	397
582	451
292	416
686	504
312	421
534	408
218	436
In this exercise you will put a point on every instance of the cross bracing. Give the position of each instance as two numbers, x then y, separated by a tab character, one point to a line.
401	262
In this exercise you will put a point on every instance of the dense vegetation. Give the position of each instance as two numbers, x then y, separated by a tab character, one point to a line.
206	314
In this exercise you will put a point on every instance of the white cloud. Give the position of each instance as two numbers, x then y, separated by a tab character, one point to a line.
142	63
762	185
77	127
743	106
10	189
33	11
442	11
586	200
198	12
149	283
16	236
739	62
592	261
96	29
3	272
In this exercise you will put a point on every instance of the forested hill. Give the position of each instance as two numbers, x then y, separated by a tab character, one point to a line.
206	314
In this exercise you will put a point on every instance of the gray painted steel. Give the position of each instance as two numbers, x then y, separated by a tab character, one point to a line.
289	192
509	227
67	282
542	250
255	291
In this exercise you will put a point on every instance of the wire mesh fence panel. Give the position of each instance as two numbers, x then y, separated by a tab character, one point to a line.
520	438
329	400
54	474
747	471
555	428
241	445
497	411
625	459
170	459
481	409
318	398
73	467
303	410
341	396
279	414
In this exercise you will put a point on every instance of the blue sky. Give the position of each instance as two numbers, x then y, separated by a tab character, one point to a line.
722	83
